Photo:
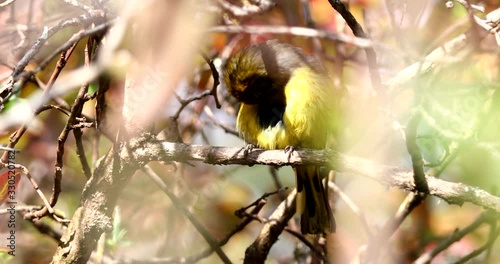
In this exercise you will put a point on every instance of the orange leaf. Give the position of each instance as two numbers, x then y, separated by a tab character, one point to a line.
9	180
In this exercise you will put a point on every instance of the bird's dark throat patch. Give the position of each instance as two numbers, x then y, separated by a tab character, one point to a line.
270	114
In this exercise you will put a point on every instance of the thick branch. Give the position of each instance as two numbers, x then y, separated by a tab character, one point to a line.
113	171
453	193
94	216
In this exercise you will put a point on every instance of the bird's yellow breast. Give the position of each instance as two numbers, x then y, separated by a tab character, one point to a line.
307	119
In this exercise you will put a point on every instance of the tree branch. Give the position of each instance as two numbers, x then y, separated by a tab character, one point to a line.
444	55
258	251
117	169
371	56
94	216
296	31
453	193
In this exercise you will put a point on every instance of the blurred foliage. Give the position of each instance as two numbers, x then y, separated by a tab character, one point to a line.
458	134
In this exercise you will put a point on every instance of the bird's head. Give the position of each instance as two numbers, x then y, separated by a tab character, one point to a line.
246	77
259	73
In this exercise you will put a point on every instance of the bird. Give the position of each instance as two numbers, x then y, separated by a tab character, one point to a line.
287	101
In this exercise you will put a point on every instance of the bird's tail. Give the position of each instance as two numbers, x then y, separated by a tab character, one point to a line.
312	202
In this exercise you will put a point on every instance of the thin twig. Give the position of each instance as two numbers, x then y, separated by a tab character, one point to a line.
207	252
358	31
306	242
226	128
412	200
47	33
240	211
75	112
454	237
74	39
186	102
44	228
248	9
61	63
354	208
215	76
235	230
491	240
212	92
272	229
6	3
444	55
277	182
26	172
416	156
79	5
178	204
296	31
59	100
77	132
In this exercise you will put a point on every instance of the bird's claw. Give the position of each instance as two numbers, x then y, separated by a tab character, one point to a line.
248	148
289	150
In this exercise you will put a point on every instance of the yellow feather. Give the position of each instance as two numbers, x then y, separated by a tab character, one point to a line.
307	119
310	115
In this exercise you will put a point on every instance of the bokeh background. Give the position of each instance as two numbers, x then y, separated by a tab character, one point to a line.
458	132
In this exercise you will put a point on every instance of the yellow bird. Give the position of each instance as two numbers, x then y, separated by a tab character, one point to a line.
287	100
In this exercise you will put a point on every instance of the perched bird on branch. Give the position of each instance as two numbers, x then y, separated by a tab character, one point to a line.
287	100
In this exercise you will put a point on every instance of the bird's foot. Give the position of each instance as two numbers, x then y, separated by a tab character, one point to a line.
289	150
248	148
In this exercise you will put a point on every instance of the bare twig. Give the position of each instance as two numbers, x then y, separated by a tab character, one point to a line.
416	156
443	55
240	211
272	229
79	5
73	40
75	112
379	241
297	31
47	33
6	3
306	242
248	9
180	206
215	75
212	92
235	230
14	138
456	236
226	128
26	172
358	31
354	208
44	228
59	100
277	182
186	102
207	252
77	132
